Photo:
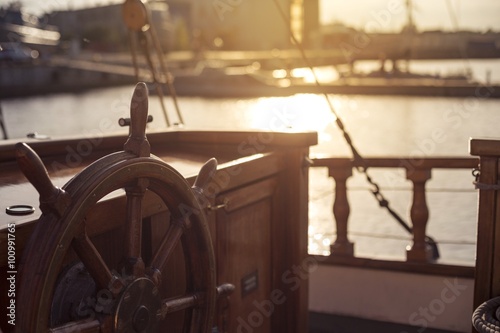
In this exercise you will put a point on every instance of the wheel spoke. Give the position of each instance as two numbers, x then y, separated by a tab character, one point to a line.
179	303
94	263
133	241
83	326
171	239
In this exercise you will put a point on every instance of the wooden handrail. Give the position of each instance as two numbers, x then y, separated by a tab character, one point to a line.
418	171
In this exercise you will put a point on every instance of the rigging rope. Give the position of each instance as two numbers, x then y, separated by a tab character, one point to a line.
140	30
358	161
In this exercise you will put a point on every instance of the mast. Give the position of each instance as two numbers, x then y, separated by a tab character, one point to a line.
410	25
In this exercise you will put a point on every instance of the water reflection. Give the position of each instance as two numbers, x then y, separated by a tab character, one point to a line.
305	112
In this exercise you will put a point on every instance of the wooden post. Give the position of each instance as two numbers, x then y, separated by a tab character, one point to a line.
487	277
341	210
419	251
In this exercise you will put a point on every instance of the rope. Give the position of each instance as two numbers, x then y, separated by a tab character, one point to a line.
145	47
485	317
148	40
166	72
358	161
483	186
486	187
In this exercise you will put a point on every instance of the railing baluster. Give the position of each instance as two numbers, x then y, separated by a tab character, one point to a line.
340	169
419	251
342	246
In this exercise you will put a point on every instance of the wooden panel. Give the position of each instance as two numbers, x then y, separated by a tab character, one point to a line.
244	256
250	194
295	273
486	232
495	250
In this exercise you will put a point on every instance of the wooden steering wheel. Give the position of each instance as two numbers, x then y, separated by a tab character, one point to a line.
134	301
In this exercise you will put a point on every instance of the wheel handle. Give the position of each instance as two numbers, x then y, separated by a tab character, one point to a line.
52	198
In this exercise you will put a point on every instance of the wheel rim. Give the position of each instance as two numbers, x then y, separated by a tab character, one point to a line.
166	183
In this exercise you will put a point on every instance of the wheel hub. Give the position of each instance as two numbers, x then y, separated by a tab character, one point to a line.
137	308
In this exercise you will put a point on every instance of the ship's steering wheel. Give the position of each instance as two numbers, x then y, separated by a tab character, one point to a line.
134	302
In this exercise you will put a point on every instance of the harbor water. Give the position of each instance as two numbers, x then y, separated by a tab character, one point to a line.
380	126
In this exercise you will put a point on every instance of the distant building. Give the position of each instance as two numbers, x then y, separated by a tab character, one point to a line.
198	24
103	29
355	44
333	34
97	28
246	25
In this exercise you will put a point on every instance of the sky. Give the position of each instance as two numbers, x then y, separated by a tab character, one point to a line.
391	15
380	15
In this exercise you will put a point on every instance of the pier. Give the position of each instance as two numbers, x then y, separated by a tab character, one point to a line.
238	74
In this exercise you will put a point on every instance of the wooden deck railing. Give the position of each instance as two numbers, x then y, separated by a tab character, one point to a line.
417	171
